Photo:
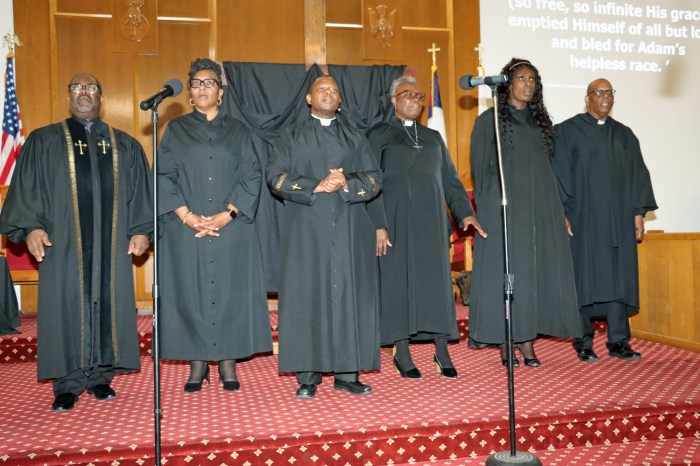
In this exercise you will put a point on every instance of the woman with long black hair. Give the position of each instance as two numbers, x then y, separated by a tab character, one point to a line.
544	297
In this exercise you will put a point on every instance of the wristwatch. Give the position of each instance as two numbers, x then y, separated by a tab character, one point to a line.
233	214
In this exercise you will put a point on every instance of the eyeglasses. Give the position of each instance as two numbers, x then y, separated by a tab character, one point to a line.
206	83
601	92
78	87
323	90
410	95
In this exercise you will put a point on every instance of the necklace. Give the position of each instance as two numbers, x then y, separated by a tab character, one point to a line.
416	146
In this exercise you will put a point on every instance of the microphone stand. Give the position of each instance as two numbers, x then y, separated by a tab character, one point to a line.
155	347
512	456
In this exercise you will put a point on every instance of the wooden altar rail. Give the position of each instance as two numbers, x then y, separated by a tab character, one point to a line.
669	282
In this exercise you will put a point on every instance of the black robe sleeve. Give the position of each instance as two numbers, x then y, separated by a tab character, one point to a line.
292	187
365	185
483	148
24	208
245	194
455	194
170	195
140	194
375	208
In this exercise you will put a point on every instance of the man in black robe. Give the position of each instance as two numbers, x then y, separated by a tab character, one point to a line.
81	198
325	173
606	191
419	179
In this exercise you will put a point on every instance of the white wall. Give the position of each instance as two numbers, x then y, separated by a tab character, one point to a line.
659	103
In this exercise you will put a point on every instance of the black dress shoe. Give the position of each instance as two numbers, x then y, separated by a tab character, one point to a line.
102	392
306	391
354	388
409	373
623	351
449	372
64	402
587	355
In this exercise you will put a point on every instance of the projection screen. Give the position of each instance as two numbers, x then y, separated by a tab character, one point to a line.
648	50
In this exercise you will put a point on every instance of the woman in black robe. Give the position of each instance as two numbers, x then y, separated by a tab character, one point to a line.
214	301
544	297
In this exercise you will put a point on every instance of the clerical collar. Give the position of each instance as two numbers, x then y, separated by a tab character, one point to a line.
602	122
83	121
324	121
407	122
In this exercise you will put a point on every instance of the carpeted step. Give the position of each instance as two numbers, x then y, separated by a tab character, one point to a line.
563	406
672	451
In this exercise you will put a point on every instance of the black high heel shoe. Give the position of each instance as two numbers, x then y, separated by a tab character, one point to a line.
410	374
534	362
530	362
191	387
230	385
449	372
504	361
516	362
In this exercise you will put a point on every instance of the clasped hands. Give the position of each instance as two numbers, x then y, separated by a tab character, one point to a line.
38	240
208	225
205	225
333	182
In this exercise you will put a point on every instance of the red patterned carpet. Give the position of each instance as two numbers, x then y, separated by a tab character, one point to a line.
569	413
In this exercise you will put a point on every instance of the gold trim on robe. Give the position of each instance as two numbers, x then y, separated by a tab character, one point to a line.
113	261
78	235
283	176
371	180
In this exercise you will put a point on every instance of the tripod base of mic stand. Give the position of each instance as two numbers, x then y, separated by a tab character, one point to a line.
521	458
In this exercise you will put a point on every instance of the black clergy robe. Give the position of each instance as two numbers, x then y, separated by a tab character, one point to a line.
544	297
328	316
415	274
213	296
91	192
604	185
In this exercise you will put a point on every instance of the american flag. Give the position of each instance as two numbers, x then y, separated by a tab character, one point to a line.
12	136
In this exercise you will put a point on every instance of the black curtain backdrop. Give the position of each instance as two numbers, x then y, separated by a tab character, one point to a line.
267	97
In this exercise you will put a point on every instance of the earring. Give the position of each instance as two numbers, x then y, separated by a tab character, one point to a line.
191	102
218	102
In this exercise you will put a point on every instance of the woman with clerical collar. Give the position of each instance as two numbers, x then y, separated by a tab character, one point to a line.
413	232
214	303
544	292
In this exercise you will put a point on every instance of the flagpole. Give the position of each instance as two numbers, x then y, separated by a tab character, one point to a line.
12	135
436	119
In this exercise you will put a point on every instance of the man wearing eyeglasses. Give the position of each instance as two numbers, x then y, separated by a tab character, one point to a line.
412	232
325	173
81	198
606	191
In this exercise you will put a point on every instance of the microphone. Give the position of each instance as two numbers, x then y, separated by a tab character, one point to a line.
469	81
170	89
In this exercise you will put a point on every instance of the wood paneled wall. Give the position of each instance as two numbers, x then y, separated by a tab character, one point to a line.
62	37
669	281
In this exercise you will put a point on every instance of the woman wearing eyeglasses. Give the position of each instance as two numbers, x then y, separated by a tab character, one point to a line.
213	302
413	232
544	293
